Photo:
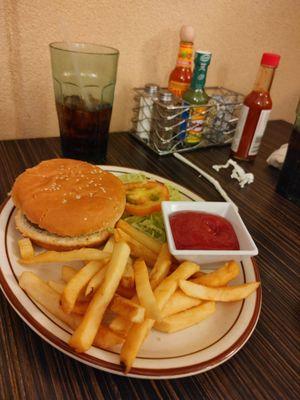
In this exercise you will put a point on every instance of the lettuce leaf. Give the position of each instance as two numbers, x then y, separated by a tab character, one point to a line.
130	178
152	225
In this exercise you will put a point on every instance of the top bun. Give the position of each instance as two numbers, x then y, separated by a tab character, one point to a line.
69	197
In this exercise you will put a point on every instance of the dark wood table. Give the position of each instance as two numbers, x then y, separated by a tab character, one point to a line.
265	368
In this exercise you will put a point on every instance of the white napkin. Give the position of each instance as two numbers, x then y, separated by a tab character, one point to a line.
276	159
237	172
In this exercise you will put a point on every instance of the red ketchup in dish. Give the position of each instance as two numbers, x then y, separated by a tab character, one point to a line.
195	230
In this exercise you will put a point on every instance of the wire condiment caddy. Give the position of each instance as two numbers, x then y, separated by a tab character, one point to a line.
162	121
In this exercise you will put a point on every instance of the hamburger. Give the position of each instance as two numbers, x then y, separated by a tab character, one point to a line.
64	204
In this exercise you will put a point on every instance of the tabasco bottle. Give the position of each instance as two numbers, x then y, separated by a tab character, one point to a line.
197	96
255	111
180	77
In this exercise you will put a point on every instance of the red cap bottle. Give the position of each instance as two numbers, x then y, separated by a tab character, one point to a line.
255	111
270	60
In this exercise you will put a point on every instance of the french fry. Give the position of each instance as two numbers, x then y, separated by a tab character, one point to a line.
127	309
96	280
57	286
144	291
106	339
220	277
159	272
138	332
126	287
80	307
186	318
137	249
169	285
197	275
109	245
47	297
133	341
39	291
178	302
126	292
127	279
117	235
141	237
120	326
67	273
85	254
77	283
26	248
226	293
84	335
161	267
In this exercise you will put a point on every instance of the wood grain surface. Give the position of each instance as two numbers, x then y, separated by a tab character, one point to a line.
268	365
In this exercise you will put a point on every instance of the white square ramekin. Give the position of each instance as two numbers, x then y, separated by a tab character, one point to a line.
226	210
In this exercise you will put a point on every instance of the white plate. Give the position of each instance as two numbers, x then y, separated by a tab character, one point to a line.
185	353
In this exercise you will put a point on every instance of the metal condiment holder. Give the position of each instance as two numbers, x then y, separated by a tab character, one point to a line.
169	120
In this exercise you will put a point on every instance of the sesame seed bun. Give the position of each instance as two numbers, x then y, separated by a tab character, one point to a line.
68	198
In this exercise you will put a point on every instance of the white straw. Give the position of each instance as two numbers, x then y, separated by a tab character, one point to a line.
209	178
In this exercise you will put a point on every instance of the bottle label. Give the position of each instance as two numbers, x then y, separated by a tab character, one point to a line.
202	61
240	128
178	88
195	126
259	132
185	55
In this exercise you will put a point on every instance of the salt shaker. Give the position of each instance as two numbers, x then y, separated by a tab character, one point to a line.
165	122
145	110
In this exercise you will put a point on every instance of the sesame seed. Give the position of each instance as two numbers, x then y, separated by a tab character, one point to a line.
64	201
77	197
85	218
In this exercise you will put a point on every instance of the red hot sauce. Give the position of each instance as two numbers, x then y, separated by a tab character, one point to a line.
255	112
194	230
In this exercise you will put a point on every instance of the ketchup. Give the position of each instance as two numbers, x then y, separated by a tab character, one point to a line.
194	230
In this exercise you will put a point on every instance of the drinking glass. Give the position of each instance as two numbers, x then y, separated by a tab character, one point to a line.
84	78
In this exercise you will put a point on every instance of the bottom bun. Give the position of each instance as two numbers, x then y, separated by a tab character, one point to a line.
51	241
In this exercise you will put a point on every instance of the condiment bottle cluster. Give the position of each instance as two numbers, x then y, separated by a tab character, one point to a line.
180	114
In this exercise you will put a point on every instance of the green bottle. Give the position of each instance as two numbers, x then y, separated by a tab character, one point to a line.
196	95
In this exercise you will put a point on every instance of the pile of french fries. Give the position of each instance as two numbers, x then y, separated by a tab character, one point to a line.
124	290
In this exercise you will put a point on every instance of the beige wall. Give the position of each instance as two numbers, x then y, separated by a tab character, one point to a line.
146	33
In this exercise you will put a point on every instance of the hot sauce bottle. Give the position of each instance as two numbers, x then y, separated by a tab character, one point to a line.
255	111
197	96
180	77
